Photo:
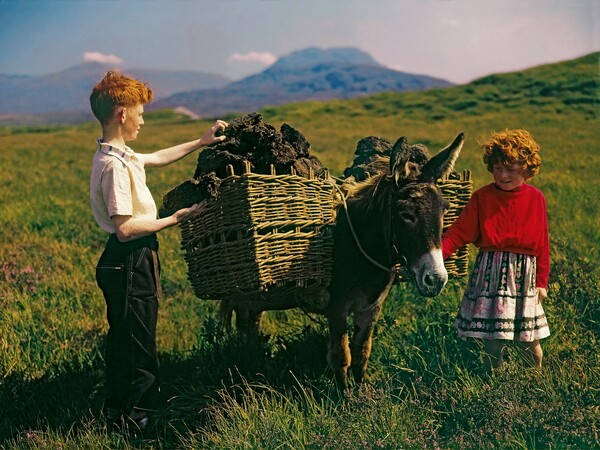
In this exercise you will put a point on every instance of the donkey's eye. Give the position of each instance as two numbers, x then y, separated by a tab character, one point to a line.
409	218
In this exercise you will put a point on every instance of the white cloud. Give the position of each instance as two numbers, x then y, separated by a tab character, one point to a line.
264	58
451	22
397	68
102	58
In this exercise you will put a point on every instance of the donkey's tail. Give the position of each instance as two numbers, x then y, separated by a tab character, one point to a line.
226	315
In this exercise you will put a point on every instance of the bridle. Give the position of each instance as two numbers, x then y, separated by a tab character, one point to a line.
401	259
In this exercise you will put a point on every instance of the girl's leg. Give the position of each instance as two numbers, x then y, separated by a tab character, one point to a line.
494	349
533	352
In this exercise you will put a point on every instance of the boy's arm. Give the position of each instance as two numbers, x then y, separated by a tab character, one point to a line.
170	155
128	229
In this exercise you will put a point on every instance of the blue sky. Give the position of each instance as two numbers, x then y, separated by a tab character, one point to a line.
458	40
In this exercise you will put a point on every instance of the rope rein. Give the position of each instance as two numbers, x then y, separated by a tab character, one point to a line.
371	260
380	300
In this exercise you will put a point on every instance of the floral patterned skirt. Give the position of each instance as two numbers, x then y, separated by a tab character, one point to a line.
500	301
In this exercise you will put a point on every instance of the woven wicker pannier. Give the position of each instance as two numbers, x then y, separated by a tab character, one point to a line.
264	236
271	236
457	189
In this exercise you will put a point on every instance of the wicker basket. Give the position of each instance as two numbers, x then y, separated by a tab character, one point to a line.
457	190
265	236
271	236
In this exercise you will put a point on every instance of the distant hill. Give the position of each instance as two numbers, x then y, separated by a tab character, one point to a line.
557	88
312	56
570	83
66	93
309	74
562	87
575	83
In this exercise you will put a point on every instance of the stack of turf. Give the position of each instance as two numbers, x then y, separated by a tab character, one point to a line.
372	157
248	139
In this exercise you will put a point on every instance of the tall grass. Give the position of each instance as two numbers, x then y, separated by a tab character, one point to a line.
424	388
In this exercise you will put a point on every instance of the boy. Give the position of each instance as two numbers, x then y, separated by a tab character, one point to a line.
128	271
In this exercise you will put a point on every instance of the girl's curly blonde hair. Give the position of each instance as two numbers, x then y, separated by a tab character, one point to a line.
510	147
114	90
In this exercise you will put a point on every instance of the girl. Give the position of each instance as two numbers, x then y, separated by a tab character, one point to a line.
507	221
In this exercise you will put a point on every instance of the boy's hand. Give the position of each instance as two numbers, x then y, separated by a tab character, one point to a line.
542	294
185	213
211	137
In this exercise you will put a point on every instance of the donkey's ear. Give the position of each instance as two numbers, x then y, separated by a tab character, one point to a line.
443	163
400	154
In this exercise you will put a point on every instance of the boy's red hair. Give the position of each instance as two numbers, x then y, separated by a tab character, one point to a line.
510	147
115	90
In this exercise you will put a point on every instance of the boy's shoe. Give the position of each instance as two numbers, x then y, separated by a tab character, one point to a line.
118	423
114	420
113	414
138	424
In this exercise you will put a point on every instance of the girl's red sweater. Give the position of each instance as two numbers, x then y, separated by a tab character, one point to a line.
497	220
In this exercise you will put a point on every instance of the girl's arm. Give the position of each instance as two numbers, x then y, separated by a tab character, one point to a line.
464	230
543	254
170	155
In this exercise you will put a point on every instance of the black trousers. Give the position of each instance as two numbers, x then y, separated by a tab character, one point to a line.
129	275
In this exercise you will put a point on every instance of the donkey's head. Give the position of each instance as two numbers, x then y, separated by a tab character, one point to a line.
417	211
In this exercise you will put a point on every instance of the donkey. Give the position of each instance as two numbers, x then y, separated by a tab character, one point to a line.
392	217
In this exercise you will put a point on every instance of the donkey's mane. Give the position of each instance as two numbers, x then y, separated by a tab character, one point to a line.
375	193
371	193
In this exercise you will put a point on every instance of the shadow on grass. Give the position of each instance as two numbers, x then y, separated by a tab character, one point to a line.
66	404
59	402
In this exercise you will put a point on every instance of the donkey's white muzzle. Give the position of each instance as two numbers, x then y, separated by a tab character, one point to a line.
430	273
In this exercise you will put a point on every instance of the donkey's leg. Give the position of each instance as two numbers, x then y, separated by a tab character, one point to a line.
338	355
364	323
248	321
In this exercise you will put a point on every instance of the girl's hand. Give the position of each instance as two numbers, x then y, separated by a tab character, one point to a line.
542	294
210	137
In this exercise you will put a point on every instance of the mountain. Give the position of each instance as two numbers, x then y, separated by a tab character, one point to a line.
69	90
531	98
313	55
309	74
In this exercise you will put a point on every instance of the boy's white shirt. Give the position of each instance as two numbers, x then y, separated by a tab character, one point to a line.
118	186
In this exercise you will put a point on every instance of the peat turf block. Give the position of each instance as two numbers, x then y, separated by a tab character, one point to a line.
249	139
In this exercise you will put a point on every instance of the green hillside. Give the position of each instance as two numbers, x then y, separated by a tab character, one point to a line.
223	392
533	98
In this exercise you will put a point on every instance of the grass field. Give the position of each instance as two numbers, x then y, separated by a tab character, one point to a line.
221	392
